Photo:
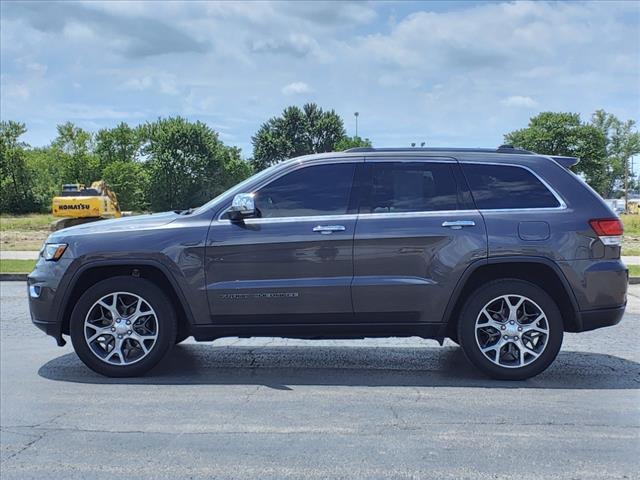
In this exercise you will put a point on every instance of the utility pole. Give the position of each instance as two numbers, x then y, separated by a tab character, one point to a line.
356	114
626	184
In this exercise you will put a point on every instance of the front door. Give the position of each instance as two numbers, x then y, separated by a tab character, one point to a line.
416	233
293	262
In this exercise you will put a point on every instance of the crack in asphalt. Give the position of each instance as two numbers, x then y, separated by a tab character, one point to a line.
400	426
26	446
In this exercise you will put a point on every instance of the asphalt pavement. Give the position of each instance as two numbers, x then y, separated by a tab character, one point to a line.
284	409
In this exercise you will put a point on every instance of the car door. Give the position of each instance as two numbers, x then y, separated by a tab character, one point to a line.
293	263
416	233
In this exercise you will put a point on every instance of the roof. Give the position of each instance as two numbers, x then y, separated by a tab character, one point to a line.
502	149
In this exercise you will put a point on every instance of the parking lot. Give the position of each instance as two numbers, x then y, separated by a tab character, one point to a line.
274	408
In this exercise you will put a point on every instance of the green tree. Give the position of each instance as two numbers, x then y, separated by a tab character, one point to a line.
187	163
622	142
351	142
73	151
296	132
130	182
235	169
119	144
46	176
15	181
552	133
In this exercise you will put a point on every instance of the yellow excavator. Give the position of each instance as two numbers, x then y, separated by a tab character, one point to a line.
78	204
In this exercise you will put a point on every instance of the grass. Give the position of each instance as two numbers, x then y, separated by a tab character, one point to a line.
634	270
32	221
631	224
24	232
16	266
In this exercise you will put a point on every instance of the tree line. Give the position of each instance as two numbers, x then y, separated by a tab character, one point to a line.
173	163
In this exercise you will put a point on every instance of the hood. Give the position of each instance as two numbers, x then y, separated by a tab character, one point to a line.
136	222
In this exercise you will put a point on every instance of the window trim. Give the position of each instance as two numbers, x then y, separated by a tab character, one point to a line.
364	160
294	168
451	162
561	203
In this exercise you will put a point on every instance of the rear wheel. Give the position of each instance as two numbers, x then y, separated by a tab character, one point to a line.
511	329
123	326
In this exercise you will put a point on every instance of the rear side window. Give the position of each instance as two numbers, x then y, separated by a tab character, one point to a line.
503	186
314	190
411	187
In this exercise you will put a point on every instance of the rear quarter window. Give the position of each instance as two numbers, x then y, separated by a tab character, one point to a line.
504	186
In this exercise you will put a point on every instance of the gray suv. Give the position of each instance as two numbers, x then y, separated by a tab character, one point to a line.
501	250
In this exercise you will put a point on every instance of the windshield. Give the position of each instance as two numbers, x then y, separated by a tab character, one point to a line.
238	188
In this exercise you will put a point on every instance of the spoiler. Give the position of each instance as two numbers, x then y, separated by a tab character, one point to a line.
566	162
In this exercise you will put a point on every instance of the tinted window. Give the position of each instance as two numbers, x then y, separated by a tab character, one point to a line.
411	187
316	190
499	186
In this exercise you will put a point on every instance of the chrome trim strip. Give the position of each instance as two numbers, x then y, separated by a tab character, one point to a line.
311	218
430	213
363	216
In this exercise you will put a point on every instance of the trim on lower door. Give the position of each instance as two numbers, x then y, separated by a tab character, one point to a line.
319	331
368	280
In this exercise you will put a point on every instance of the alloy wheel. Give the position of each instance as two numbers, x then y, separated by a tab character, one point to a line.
512	331
121	328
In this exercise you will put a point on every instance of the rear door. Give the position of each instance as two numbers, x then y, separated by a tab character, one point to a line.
416	233
294	262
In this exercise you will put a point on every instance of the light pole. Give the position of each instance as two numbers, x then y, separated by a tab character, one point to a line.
356	114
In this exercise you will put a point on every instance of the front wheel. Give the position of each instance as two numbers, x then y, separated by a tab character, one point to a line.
511	329
123	326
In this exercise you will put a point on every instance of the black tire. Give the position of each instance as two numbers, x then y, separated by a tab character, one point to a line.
181	338
153	296
485	294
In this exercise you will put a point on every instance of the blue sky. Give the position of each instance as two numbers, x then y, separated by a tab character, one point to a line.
447	73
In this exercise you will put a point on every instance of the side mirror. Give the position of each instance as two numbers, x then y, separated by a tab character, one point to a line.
242	206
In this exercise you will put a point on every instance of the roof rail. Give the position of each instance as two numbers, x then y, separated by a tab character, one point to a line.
501	149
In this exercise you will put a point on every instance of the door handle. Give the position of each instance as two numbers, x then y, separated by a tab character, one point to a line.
327	229
458	224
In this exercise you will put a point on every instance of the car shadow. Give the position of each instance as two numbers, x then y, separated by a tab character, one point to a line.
285	366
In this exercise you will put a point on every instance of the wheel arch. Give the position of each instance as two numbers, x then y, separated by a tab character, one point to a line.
153	271
540	271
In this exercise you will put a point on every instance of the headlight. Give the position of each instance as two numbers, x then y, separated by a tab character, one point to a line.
53	251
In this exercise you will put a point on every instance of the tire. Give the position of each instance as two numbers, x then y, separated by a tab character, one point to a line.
181	338
522	347
145	340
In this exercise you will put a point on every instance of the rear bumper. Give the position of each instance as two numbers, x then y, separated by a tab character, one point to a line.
605	317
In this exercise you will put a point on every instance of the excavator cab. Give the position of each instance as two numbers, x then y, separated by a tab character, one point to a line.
78	204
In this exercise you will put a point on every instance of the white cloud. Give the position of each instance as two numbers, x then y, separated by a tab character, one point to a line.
19	92
296	88
519	101
414	71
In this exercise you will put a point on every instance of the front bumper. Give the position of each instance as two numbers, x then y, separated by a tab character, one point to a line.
42	290
603	317
53	329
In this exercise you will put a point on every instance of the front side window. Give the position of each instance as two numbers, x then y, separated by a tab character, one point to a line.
411	187
309	191
504	186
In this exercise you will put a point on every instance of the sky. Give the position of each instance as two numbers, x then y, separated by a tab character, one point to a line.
459	74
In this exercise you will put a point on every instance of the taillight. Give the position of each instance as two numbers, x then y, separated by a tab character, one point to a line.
609	230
